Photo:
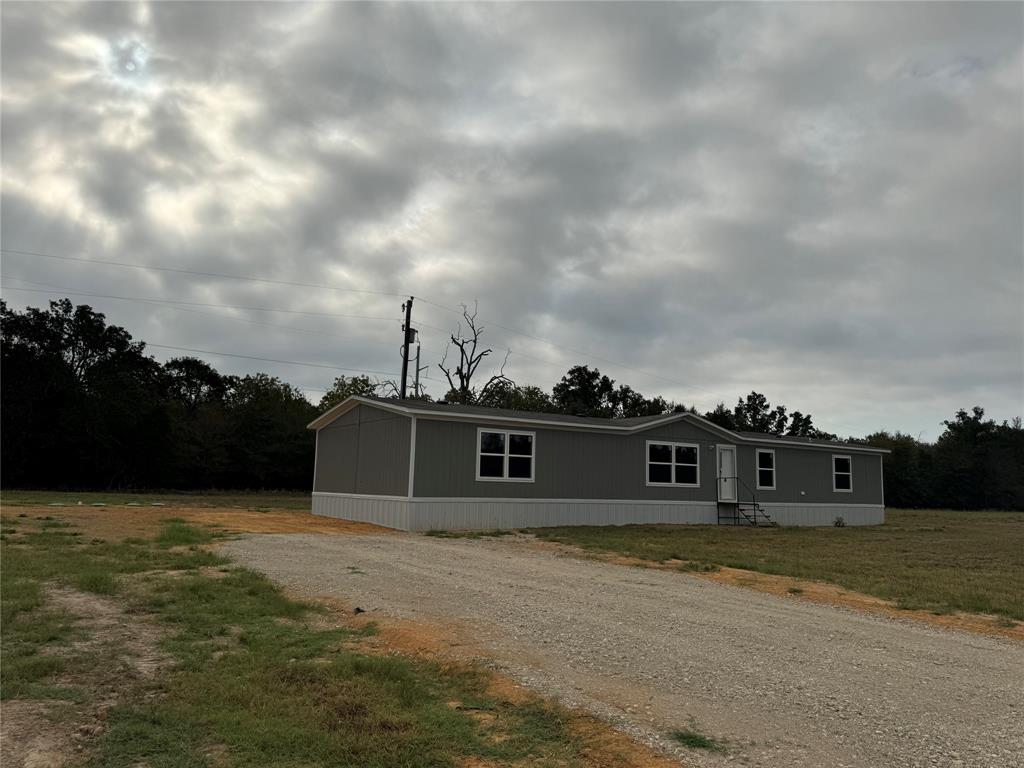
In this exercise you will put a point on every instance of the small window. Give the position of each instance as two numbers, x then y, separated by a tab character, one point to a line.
504	455
842	474
673	464
765	469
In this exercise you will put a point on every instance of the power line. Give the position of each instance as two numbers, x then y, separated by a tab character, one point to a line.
199	303
223	354
268	359
170	305
172	302
178	270
582	353
438	305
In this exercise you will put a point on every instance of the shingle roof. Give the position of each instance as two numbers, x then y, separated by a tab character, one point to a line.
593	422
793	439
507	413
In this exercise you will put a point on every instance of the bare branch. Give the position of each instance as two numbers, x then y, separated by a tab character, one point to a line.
460	381
389	388
499	376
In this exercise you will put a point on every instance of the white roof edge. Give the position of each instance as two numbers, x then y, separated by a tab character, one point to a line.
348	404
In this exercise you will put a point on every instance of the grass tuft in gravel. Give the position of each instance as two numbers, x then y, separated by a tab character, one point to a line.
695	740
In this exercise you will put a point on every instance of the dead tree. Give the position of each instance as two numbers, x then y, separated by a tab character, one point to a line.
460	381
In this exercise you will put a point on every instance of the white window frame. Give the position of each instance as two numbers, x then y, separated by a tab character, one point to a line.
757	469
673	464
834	473
506	432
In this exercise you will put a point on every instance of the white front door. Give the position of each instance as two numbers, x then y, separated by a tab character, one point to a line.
727	473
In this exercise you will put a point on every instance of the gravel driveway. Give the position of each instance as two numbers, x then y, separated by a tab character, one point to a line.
783	681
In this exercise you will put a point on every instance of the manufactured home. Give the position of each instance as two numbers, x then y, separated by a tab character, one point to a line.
420	466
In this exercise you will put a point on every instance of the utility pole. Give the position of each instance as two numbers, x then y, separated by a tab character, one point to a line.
416	385
407	333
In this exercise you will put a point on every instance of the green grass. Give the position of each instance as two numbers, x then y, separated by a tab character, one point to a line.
178	533
254	682
225	499
695	740
936	560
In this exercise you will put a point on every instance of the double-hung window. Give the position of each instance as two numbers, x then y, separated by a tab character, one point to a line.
765	469
673	464
842	474
503	455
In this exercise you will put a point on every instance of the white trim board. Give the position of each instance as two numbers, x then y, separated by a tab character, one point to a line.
362	496
412	457
316	458
505	500
487	499
821	504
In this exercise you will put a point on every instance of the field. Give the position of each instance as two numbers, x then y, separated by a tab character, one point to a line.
936	560
225	499
129	639
155	650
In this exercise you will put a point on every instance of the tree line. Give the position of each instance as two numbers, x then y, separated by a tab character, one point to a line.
85	407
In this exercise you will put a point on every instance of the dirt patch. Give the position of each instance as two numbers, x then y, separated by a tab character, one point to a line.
605	746
452	644
120	651
831	594
116	523
800	589
30	738
128	644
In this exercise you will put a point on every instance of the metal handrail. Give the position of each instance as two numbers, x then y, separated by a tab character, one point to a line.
753	500
753	496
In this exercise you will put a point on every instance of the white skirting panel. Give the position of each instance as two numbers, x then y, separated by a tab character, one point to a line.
484	514
388	512
825	514
451	514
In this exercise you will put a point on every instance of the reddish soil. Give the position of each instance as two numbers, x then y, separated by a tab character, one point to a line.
122	522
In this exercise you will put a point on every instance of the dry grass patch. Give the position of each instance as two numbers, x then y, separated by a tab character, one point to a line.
120	523
936	561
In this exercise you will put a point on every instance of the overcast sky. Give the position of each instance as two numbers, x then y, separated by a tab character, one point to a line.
820	202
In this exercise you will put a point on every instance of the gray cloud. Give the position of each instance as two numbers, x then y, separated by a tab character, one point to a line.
821	202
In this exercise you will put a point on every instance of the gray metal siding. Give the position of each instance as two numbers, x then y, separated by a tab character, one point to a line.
576	464
805	476
569	464
364	451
